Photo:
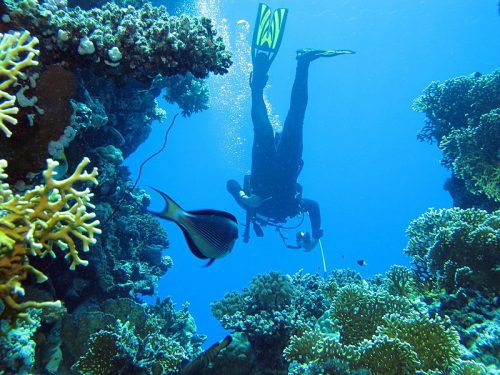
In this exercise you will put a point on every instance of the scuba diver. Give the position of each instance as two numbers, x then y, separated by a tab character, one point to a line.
271	194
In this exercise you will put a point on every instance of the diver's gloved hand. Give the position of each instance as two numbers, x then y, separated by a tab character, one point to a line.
252	201
305	241
310	244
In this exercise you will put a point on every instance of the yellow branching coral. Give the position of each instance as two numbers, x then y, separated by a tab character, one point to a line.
17	52
53	214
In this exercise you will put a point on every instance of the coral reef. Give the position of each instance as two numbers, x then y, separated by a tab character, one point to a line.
140	338
17	52
270	311
455	253
17	347
357	327
190	93
48	217
463	118
93	93
454	248
137	43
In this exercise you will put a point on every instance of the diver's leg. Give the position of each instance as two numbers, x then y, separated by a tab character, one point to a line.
290	147
263	150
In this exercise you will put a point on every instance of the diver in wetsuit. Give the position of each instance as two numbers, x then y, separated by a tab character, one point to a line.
271	194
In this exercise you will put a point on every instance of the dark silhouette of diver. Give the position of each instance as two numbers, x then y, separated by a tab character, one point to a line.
271	194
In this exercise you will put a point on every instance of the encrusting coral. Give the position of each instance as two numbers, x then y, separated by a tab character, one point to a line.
49	216
17	52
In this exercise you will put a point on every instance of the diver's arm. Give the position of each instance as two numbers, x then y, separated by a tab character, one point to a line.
244	200
312	207
252	201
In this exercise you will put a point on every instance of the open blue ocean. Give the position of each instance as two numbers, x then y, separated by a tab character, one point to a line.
110	107
362	160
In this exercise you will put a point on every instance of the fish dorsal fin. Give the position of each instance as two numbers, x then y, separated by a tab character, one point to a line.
225	214
194	249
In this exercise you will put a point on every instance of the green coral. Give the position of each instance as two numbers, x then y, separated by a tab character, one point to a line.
454	247
473	154
403	344
384	355
463	118
17	345
111	351
118	349
433	340
190	93
273	308
358	311
376	326
401	281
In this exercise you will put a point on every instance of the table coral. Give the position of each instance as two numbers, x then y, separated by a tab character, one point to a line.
17	52
49	216
139	43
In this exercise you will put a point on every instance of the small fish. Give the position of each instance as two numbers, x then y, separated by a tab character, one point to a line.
204	359
362	262
62	168
210	234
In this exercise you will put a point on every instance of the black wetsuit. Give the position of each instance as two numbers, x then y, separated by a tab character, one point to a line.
277	159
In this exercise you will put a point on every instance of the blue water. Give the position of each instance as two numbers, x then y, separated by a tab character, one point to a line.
363	163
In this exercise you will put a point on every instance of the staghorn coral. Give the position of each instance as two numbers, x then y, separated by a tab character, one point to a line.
17	52
34	224
138	43
453	247
463	118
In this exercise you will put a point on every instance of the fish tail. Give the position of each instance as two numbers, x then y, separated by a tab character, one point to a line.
224	343
171	211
